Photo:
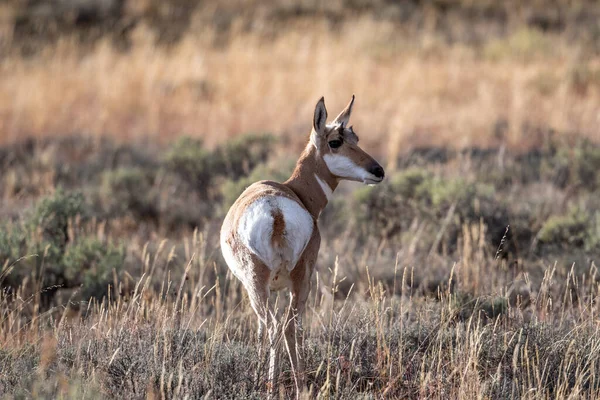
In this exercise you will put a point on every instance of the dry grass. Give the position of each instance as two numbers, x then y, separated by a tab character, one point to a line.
194	337
421	290
409	94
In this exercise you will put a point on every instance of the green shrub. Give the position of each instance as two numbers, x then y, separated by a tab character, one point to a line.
389	209
435	193
188	158
12	244
90	263
441	193
130	190
587	165
23	253
382	212
56	259
11	241
572	164
576	229
409	183
53	214
241	155
592	240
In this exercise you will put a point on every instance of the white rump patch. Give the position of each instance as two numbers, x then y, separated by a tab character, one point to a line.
344	167
325	187
256	229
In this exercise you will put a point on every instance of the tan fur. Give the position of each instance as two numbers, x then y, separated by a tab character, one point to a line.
303	188
278	229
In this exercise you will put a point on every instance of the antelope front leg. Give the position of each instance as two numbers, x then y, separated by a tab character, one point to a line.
301	276
294	337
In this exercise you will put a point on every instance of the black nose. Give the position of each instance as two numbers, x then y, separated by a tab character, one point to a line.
377	171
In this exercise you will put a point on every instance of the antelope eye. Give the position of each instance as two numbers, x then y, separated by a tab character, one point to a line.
334	144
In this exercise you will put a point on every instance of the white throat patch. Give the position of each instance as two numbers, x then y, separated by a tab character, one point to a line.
344	167
325	187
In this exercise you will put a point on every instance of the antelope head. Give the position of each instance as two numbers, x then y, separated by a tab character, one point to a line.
337	145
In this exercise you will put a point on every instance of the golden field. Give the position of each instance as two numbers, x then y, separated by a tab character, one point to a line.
413	89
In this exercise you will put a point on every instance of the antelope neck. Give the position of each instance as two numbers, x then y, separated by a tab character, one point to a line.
310	180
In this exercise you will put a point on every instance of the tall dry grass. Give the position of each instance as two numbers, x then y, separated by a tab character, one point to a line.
408	94
193	335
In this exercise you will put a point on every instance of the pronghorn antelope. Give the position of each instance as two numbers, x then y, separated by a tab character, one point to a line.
270	238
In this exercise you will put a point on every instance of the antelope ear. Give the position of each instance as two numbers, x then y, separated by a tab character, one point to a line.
320	118
344	116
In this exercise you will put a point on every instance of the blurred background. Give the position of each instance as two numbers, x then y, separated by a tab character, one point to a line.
456	73
128	128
